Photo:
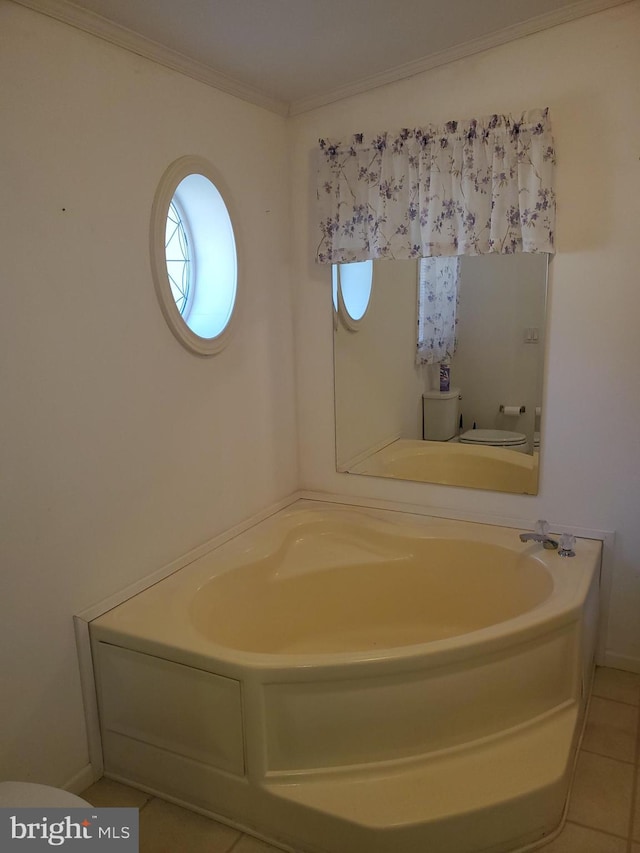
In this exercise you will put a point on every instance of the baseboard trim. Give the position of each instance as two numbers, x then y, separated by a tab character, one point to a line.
625	662
82	780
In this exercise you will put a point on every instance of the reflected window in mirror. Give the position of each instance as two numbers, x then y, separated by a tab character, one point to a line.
352	285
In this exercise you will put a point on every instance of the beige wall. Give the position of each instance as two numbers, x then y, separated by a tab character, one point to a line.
119	450
378	386
587	72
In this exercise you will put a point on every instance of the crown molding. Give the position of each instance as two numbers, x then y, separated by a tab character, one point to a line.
90	22
460	51
96	25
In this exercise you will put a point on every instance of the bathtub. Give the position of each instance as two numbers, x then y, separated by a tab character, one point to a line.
348	680
449	463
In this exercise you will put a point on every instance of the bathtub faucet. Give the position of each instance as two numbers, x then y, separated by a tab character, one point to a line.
540	534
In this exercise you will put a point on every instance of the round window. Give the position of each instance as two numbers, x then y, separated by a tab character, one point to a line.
352	285
193	254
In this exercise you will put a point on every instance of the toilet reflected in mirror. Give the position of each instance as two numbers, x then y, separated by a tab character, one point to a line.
516	441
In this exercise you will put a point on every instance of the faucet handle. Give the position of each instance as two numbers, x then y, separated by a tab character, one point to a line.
567	541
541	527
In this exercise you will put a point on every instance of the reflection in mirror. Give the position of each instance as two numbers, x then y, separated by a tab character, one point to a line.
392	419
351	285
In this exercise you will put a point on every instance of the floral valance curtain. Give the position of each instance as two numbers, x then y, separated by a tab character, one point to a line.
466	188
437	310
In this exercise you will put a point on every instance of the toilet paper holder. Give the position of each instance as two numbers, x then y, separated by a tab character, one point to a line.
513	410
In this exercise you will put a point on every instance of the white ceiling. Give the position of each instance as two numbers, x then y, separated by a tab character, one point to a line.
293	55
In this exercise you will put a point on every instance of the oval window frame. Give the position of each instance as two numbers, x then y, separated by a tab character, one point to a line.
176	172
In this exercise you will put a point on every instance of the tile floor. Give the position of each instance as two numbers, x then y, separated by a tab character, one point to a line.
604	809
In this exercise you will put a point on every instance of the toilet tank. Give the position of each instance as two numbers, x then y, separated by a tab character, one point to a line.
440	411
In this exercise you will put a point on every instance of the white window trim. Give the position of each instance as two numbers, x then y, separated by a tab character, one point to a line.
175	173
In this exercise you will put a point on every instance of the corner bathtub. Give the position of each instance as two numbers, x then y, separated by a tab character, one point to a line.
449	463
357	681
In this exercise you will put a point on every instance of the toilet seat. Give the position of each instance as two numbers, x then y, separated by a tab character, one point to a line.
30	795
494	438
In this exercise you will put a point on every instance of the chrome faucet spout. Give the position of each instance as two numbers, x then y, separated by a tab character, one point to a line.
546	541
540	535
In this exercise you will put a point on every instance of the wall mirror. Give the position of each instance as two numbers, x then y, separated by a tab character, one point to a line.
384	401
